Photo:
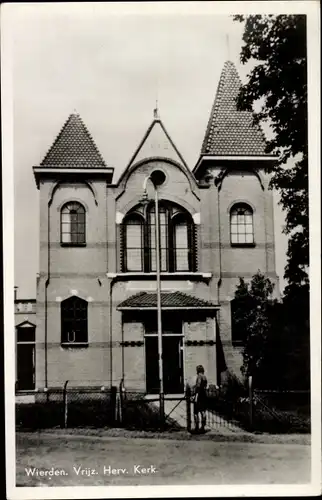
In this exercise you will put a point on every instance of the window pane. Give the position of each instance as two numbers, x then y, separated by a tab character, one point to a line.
249	238
233	219
163	258
133	236
65	217
234	238
81	238
182	260
181	235
66	238
152	259
241	238
248	219
134	259
181	247
249	229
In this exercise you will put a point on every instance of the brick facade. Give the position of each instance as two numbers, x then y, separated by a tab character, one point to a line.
116	341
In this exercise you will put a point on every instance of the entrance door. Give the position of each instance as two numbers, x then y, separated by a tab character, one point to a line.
25	366
172	346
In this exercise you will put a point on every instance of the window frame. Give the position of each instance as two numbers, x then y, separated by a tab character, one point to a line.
83	212
65	321
172	212
234	212
133	215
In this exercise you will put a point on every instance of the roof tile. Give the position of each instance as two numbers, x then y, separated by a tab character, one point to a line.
74	147
229	131
168	299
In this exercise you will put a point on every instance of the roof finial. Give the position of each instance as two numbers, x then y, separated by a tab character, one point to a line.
228	47
156	110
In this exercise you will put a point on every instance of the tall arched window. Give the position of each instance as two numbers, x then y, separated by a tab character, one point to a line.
74	322
176	239
241	225
73	224
183	242
134	257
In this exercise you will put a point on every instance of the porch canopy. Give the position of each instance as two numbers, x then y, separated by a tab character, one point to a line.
169	301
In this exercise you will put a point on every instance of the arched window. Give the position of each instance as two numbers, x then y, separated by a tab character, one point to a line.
183	242
74	322
176	239
133	256
241	225
73	224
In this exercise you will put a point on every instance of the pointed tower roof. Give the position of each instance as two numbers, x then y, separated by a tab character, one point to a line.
157	143
229	131
73	147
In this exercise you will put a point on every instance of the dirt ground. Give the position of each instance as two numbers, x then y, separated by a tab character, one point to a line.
93	461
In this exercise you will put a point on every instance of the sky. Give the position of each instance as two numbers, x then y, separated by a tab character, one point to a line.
111	67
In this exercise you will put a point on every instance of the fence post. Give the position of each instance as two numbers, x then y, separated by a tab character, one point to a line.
65	404
161	412
121	415
113	404
251	403
188	407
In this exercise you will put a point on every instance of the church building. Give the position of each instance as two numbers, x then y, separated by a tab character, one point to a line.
95	320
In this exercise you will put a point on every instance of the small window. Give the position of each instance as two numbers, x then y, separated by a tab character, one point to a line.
73	224
74	322
241	225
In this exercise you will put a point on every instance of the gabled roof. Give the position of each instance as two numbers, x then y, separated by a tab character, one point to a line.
169	300
74	147
229	131
157	143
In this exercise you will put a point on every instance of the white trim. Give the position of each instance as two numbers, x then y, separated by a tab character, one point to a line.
196	218
119	216
178	274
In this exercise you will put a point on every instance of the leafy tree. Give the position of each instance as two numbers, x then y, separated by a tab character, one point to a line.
252	316
276	335
278	84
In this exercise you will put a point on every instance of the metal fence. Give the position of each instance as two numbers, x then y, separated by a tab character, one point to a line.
269	410
286	411
137	411
242	408
66	407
